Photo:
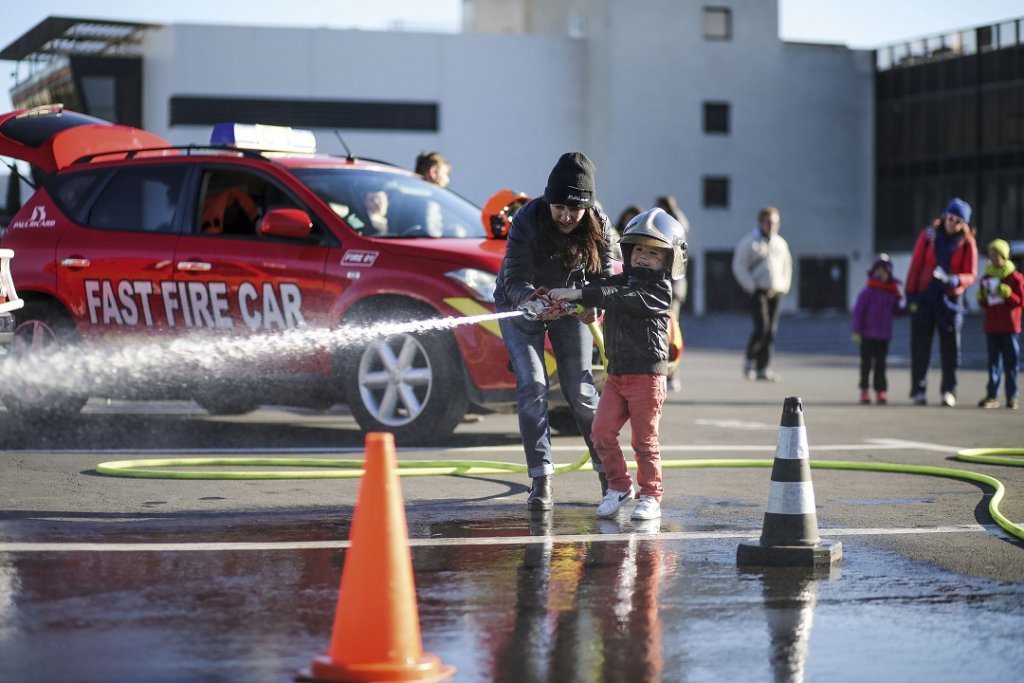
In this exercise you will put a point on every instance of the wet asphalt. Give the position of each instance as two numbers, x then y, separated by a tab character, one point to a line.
109	579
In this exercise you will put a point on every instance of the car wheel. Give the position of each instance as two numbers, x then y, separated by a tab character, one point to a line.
408	384
42	330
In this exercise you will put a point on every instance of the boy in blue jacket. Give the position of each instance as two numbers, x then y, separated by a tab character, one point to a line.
636	332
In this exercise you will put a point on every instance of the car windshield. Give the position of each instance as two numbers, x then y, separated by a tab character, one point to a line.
391	205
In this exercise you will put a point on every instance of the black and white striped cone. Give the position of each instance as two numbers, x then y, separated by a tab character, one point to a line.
789	536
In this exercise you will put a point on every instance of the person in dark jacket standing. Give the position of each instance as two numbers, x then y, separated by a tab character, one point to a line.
559	240
944	264
636	325
877	304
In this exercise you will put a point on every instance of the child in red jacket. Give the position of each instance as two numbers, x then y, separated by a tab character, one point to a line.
1002	296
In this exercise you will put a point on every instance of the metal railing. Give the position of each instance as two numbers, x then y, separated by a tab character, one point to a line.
954	44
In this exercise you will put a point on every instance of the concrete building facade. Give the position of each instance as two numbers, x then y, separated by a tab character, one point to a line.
667	97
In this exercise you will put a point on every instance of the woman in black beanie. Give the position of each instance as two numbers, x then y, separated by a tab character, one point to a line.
559	240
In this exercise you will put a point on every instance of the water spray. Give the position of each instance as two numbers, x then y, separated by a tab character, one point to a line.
88	367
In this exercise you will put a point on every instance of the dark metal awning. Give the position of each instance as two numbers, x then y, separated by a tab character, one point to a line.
77	36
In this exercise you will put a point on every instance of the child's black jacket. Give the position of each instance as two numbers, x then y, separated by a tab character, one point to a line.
636	321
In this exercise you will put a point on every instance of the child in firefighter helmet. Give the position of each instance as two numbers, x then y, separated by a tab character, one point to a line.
656	228
637	306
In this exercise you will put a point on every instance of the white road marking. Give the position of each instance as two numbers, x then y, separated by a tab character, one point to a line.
477	541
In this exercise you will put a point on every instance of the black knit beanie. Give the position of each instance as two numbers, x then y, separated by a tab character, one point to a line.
571	181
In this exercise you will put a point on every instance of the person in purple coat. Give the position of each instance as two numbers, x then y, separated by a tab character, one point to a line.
877	304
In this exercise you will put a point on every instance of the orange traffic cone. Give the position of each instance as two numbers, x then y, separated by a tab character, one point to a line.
789	536
376	634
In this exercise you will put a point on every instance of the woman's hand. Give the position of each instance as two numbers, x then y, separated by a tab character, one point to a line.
565	294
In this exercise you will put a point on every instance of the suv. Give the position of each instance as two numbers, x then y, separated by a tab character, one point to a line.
132	236
253	233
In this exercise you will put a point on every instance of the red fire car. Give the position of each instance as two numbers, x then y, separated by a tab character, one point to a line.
131	237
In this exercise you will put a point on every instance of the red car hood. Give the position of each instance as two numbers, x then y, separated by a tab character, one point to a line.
473	253
51	137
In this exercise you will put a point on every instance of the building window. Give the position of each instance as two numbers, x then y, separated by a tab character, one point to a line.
716	117
716	191
717	23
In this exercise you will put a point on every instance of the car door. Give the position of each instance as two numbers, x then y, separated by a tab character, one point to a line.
231	278
111	261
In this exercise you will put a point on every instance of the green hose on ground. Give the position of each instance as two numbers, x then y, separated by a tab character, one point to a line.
351	469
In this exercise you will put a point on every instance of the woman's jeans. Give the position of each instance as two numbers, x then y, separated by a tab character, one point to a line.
572	344
928	320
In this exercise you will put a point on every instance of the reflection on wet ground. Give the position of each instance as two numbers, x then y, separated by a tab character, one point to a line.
639	607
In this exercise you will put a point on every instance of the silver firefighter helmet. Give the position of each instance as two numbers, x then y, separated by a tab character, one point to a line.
656	228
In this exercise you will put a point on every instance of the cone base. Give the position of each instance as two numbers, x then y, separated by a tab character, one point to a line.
427	670
824	553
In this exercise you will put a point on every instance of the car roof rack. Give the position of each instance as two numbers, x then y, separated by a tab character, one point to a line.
223	149
187	149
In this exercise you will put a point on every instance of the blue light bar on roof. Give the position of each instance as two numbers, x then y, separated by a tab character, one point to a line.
264	138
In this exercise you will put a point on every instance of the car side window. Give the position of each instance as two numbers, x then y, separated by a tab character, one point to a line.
139	199
70	191
232	203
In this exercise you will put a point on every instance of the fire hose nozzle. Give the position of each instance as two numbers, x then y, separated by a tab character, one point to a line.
538	310
532	310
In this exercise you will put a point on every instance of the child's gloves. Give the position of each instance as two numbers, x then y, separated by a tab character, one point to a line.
856	339
1004	291
940	274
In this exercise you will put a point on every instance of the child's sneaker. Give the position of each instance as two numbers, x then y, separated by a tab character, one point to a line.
648	507
865	396
919	398
1012	403
613	500
880	398
988	402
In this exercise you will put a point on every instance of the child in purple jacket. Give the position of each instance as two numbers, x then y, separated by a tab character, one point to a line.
877	304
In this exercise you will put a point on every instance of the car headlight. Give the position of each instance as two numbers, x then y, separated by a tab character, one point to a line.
479	282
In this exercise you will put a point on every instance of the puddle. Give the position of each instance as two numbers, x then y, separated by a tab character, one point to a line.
641	608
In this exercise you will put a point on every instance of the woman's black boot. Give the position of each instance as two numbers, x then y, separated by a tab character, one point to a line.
540	494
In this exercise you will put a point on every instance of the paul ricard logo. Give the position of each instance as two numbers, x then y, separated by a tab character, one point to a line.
38	219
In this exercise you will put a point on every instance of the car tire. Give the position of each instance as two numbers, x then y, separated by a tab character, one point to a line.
408	384
42	328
